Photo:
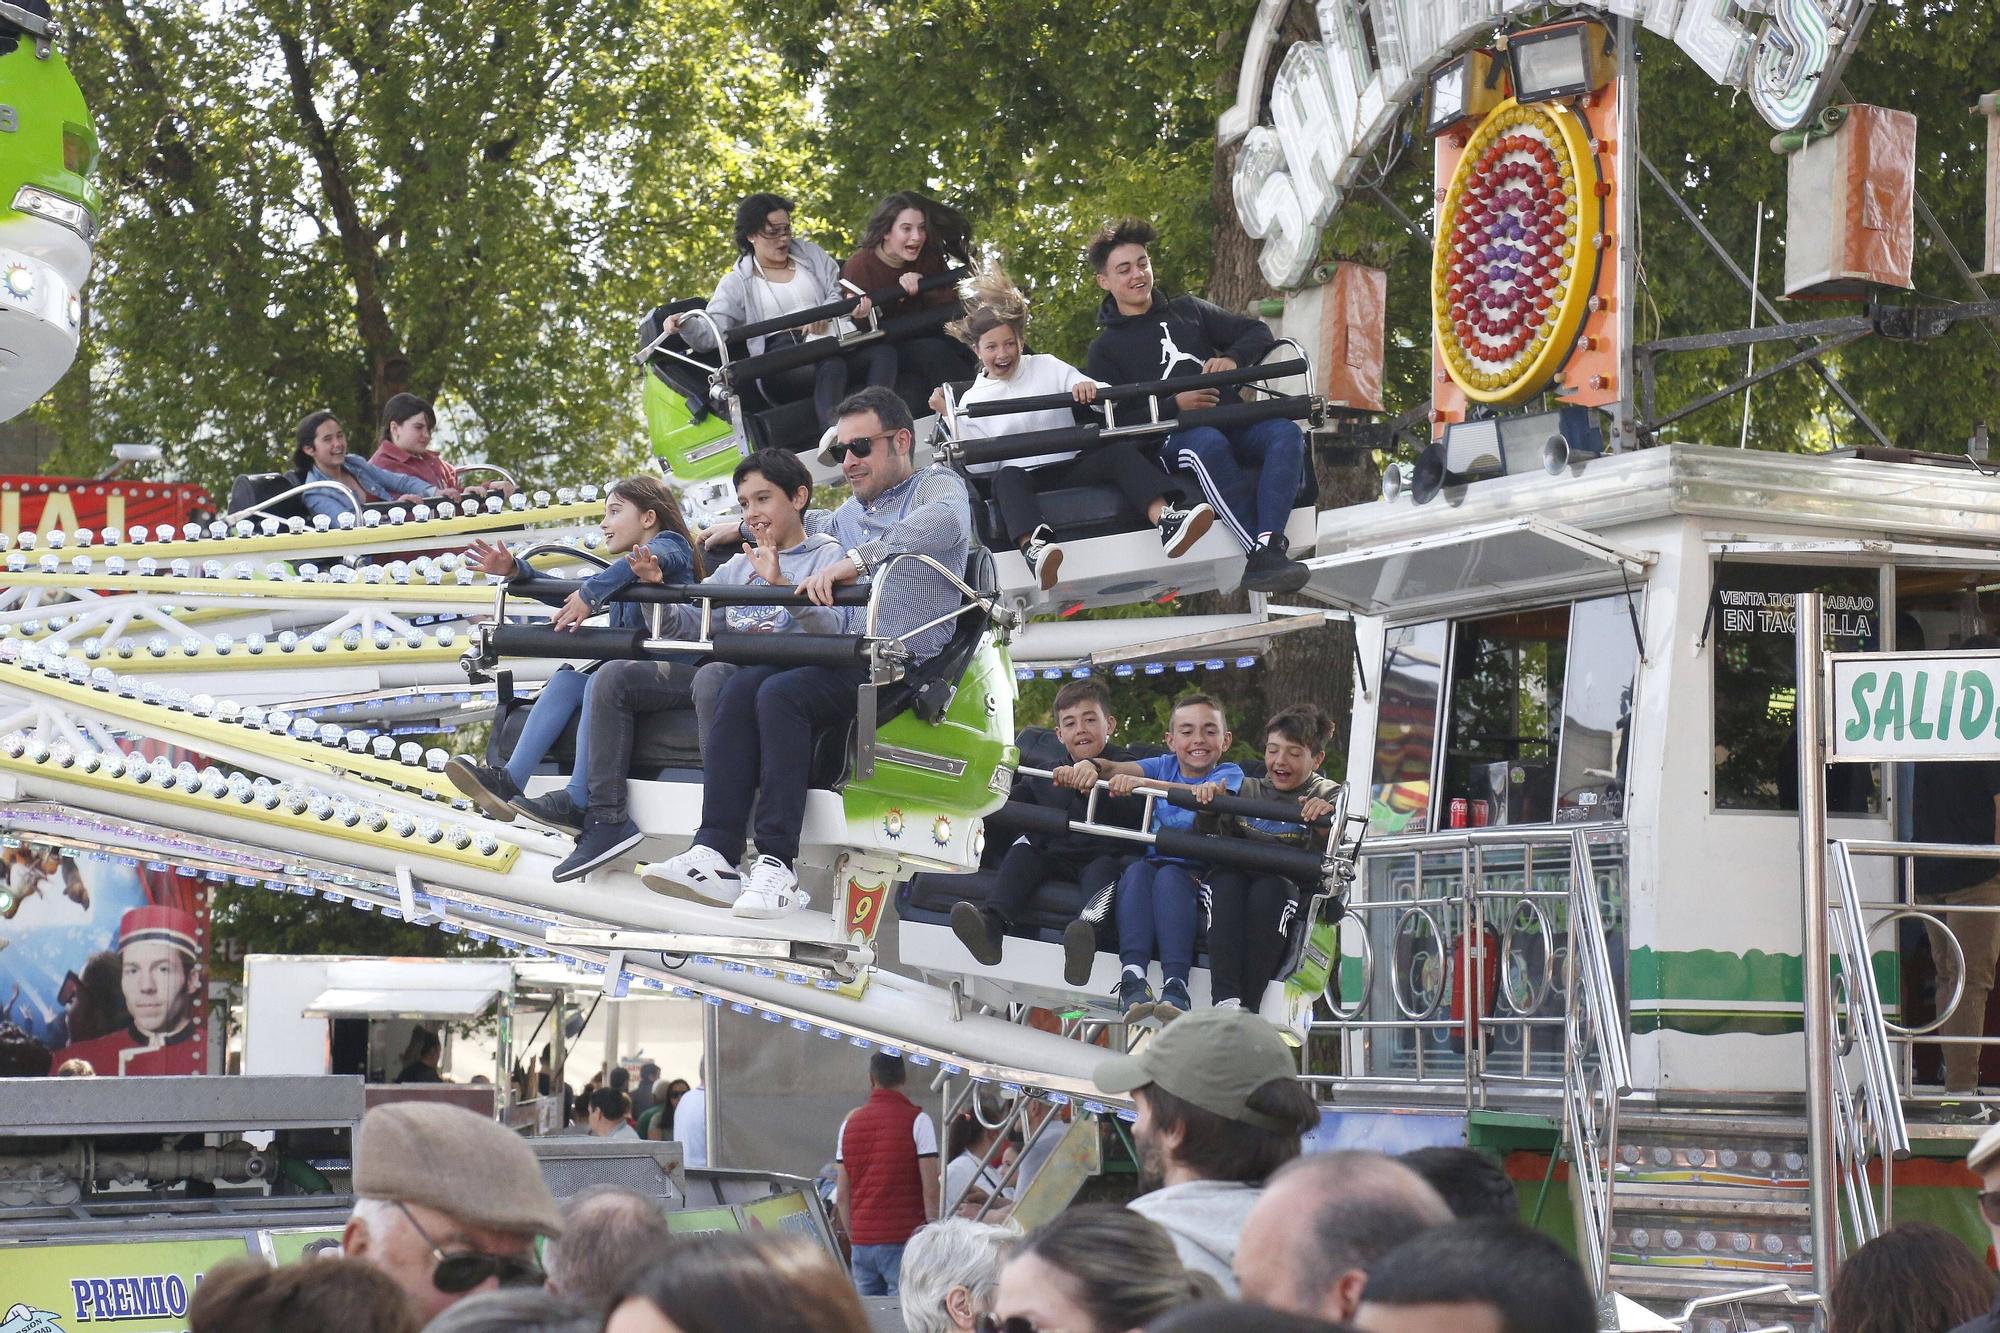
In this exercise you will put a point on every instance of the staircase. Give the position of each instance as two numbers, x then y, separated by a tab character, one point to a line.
1708	1203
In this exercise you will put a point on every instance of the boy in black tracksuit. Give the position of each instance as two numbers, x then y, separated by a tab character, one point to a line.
1250	914
1250	474
1084	725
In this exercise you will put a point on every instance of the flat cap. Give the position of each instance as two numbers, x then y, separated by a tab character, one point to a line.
458	1162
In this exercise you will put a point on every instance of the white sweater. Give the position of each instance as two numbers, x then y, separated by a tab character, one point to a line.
1035	377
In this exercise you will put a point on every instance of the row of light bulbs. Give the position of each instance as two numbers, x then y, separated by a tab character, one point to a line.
338	887
34	654
219	529
292	798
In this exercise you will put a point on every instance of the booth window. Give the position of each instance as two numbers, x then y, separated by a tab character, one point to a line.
1406	728
1599	681
1505	716
1756	734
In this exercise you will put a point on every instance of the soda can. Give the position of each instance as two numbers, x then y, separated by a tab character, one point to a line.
1458	811
1482	813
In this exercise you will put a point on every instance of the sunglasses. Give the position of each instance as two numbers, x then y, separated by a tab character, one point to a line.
990	1323
861	448
775	233
456	1274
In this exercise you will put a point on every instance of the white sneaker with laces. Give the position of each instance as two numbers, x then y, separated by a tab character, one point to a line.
1044	557
770	890
701	869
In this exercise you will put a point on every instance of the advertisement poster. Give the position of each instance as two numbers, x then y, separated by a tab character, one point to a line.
142	1287
104	962
783	1212
704	1222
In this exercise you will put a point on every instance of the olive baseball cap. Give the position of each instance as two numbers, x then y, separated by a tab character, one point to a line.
1211	1058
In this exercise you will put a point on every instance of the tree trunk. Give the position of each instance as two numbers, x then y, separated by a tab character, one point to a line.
1311	666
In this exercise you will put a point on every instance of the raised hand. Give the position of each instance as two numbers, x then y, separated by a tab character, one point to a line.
646	565
492	557
764	559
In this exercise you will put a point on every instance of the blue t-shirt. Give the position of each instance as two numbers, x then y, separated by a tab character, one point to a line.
1167	768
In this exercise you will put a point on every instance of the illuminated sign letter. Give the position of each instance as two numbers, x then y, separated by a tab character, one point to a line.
1792	51
1713	39
1268	205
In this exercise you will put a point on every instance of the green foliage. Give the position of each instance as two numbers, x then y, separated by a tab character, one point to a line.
1038	120
319	205
246	921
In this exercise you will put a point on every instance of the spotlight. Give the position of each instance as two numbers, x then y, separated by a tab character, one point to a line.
1562	60
1467	88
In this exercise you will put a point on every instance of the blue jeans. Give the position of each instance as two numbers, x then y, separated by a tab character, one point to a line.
878	1269
1158	905
1274	450
562	698
759	748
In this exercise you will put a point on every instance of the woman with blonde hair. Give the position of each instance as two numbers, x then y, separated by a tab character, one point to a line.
995	327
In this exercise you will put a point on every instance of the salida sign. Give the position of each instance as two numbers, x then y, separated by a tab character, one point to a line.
1333	101
1915	706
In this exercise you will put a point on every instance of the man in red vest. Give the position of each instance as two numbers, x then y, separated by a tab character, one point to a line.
886	1172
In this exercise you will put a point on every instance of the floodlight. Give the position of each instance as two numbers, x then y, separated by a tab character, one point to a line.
1464	89
1561	60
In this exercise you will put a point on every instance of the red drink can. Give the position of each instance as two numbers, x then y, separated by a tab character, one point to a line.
1458	811
1482	814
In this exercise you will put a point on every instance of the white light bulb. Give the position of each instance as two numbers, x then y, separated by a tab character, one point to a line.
115	565
56	539
344	519
270	527
409	752
288	641
371	519
397	515
421	513
245	528
83	537
255	644
321	523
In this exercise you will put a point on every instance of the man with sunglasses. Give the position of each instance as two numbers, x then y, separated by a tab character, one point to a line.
759	744
1984	1161
447	1203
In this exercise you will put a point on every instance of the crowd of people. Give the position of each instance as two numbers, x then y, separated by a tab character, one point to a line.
1235	1226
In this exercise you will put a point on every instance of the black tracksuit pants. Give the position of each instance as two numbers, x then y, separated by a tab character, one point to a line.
1025	868
1116	461
1249	929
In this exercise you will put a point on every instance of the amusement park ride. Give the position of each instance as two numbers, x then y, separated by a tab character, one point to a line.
1573	926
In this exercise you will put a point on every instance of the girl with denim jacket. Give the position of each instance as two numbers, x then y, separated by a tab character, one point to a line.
638	512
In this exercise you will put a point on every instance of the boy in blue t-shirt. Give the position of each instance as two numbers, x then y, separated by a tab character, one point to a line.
1158	902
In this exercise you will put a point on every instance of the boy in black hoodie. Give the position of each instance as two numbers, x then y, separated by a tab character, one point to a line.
1084	725
1250	474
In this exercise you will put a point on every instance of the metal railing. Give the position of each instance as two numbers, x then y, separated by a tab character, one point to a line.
1868	1110
1441	915
1596	1069
1723	1312
1471	924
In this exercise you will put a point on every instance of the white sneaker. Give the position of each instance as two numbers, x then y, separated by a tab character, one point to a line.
701	869
771	890
1044	557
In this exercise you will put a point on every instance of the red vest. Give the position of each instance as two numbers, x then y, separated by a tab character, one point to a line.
879	1150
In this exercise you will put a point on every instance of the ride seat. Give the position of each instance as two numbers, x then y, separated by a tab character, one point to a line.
682	378
665	745
256	488
1075	513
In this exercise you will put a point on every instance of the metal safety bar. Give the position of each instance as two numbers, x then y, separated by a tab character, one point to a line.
1773	1293
263	506
1868	1110
1597	1071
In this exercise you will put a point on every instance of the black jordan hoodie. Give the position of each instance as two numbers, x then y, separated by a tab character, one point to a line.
1171	341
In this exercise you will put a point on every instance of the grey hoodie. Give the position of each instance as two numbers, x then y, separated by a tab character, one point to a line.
814	553
1204	1217
737	300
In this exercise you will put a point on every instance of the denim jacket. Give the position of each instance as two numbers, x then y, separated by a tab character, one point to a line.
380	483
676	566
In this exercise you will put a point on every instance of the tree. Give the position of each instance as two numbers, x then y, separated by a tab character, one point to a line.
322	205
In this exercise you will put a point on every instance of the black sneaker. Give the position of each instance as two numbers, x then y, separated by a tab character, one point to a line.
1079	952
552	810
1135	998
1268	570
599	842
980	930
1174	1000
1044	557
1182	528
487	787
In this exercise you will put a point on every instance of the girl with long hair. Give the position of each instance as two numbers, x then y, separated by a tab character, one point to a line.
640	512
320	454
908	238
408	447
995	327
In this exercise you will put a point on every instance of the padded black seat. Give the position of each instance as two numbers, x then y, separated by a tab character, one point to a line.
1075	513
665	744
259	487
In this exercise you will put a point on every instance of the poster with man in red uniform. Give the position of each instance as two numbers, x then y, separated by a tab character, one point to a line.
104	961
159	955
